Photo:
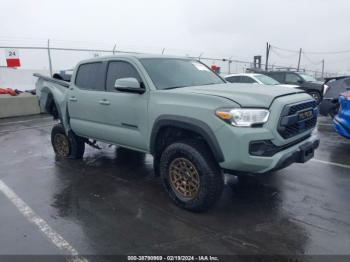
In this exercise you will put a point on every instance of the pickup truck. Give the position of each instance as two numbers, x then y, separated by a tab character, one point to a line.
197	126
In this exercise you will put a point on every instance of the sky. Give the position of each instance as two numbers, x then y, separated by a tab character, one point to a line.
223	28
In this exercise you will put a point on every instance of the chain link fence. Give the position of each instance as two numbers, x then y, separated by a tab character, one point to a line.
51	59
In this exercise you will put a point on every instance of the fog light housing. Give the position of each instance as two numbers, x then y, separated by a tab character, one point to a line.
262	148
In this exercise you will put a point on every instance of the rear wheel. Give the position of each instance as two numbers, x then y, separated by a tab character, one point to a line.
190	175
71	146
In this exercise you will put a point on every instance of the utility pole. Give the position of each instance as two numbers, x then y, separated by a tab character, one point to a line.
49	55
300	50
268	46
229	65
322	67
114	48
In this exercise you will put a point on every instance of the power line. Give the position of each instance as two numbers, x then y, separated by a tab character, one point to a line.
310	60
312	52
280	55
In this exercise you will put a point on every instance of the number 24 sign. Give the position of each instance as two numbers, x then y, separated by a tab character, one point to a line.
12	58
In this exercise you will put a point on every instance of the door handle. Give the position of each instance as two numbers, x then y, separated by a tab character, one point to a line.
104	102
73	99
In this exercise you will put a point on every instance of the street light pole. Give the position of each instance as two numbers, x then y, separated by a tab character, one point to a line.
322	67
299	59
49	55
268	46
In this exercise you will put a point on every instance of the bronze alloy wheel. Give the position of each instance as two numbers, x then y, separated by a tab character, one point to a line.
61	145
184	178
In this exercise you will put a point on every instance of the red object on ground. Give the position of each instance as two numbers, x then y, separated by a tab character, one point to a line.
11	92
13	62
8	91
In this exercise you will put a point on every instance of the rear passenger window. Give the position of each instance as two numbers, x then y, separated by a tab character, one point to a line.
120	69
233	79
90	76
247	80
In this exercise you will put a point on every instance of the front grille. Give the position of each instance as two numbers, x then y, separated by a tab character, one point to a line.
299	107
290	124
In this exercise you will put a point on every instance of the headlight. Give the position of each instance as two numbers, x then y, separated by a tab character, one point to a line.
243	117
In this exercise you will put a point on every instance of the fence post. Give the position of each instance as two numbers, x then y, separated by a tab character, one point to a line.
49	55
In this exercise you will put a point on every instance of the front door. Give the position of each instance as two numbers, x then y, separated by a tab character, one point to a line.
125	114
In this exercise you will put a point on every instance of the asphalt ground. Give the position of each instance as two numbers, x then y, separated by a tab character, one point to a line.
110	203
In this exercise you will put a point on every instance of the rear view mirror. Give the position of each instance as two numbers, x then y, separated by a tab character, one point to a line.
129	84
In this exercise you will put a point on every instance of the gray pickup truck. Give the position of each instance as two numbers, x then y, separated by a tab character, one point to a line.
196	126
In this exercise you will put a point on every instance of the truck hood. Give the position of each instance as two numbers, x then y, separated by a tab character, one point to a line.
246	95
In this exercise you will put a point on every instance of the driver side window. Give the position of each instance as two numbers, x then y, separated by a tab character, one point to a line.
117	70
292	78
247	80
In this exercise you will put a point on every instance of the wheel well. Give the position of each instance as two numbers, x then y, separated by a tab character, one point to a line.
170	134
51	107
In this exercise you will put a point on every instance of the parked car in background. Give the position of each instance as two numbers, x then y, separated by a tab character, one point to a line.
341	121
306	82
333	87
252	78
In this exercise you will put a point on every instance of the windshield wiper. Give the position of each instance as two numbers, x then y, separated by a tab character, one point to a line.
212	84
173	87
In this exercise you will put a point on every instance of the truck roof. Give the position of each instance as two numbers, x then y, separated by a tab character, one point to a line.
137	56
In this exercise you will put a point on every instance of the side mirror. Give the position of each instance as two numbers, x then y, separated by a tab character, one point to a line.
300	81
129	84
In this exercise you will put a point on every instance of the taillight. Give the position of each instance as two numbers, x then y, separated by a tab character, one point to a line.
325	89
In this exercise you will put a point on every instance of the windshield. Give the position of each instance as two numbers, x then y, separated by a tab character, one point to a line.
308	78
168	73
266	80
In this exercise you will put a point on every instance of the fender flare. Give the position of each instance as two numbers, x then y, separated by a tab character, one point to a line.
190	124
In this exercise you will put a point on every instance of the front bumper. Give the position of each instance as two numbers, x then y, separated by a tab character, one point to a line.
235	145
304	153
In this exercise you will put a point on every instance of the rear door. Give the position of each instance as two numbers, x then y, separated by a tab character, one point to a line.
85	96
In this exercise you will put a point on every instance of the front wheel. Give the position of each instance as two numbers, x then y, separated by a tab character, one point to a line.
71	146
316	95
190	175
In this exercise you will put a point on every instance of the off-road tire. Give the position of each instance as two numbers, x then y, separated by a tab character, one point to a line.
74	146
211	179
316	95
